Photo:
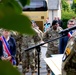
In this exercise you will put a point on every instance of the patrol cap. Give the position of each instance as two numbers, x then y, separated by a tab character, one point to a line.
54	22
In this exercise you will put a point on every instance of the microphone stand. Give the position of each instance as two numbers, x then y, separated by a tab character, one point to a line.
38	49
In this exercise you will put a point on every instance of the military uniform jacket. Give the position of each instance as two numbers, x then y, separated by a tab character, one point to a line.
69	56
52	34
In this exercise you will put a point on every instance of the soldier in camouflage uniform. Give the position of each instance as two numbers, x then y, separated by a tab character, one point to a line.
18	47
52	47
18	38
40	34
28	57
69	57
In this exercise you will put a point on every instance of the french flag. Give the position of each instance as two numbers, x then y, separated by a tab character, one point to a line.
70	34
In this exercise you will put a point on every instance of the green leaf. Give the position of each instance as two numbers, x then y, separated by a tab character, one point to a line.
10	7
5	1
16	22
6	68
24	2
16	6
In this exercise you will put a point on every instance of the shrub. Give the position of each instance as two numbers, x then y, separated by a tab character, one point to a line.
66	16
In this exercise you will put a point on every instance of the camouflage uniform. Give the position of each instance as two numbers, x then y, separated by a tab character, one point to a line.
18	38
52	47
18	47
37	41
28	57
69	57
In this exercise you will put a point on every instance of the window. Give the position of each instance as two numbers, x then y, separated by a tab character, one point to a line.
36	6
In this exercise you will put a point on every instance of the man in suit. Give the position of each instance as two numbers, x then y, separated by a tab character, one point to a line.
64	40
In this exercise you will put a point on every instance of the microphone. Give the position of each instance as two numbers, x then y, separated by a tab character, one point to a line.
65	31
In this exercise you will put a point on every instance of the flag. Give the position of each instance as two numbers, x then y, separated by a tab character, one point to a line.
70	34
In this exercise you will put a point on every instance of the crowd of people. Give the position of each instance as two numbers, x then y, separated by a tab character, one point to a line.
58	46
13	44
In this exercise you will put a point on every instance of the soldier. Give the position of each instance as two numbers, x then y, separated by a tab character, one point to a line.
69	57
28	57
18	47
68	60
40	34
52	33
18	38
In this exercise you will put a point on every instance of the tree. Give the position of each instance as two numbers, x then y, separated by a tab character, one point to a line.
74	6
65	5
11	16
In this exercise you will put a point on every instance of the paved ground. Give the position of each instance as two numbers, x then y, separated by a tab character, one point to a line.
42	63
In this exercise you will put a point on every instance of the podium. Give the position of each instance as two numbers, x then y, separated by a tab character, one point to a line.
54	63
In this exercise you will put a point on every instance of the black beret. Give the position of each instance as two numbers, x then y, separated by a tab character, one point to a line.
54	22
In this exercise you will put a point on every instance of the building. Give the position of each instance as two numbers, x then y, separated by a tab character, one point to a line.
54	9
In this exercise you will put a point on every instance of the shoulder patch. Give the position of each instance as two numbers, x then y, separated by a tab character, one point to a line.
66	54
